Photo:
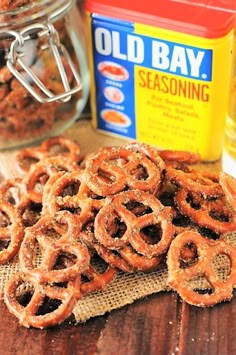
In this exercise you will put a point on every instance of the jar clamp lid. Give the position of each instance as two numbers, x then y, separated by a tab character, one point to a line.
44	76
58	50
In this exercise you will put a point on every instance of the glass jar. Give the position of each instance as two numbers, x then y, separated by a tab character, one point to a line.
44	78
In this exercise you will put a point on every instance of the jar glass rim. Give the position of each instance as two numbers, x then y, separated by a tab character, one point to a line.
35	11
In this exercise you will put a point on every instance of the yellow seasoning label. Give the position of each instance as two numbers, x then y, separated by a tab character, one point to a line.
161	87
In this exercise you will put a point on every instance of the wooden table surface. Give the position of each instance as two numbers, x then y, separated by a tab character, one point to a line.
159	324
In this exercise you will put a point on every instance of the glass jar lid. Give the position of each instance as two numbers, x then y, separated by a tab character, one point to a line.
36	21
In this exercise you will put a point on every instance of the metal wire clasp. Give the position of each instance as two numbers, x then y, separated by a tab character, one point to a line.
18	67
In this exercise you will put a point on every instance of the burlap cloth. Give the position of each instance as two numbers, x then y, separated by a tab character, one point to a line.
125	288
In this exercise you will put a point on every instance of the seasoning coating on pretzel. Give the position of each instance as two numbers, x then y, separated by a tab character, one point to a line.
96	278
55	237
180	156
111	170
11	231
54	146
211	213
41	171
69	191
140	262
132	213
29	314
113	258
149	152
25	158
61	145
179	277
204	183
228	184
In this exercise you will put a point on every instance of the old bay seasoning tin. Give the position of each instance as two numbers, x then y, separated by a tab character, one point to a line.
161	71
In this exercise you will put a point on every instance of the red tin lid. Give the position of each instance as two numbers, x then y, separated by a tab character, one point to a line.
204	18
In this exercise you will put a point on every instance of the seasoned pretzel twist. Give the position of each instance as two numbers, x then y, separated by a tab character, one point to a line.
111	170
27	157
69	191
212	213
11	231
180	156
60	145
41	171
55	274
200	182
55	146
148	151
134	211
56	237
206	250
97	280
228	184
29	314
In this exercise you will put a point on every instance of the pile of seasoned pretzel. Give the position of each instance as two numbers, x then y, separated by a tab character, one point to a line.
75	221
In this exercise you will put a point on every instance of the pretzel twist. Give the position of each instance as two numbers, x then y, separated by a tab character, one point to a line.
11	231
55	237
29	314
207	250
152	214
213	214
111	170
